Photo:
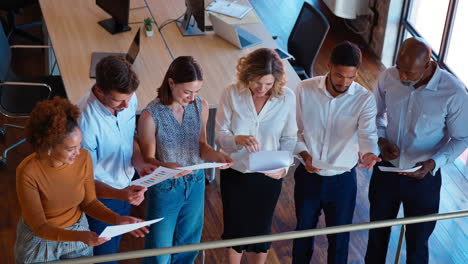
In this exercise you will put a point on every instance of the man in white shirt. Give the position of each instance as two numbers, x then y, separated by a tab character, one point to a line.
421	121
108	126
336	129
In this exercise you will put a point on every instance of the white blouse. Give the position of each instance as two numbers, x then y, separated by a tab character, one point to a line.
275	127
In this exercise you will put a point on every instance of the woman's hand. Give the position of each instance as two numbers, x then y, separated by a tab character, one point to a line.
223	158
277	174
91	239
173	165
249	142
123	220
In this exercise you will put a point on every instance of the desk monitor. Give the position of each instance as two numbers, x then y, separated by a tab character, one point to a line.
193	22
119	10
130	56
233	33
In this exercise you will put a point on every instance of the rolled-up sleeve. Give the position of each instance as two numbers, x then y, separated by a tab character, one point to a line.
456	120
367	132
300	144
381	120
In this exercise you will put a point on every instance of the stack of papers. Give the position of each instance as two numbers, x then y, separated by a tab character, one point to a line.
229	8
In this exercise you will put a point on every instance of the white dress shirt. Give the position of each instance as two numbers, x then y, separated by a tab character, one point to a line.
425	123
274	127
109	140
335	129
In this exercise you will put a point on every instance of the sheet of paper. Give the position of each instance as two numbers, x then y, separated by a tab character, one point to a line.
393	169
116	230
229	8
268	161
200	166
158	175
325	166
250	18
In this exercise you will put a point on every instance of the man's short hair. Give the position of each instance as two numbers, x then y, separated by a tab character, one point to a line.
114	73
346	54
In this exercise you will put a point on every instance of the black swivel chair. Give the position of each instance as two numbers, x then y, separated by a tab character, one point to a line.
306	38
13	7
18	96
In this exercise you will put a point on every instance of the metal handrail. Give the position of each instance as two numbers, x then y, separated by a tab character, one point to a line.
265	238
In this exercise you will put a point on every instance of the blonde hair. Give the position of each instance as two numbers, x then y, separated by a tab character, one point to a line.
259	63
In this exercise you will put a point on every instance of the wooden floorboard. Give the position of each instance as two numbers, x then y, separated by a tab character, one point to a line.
448	244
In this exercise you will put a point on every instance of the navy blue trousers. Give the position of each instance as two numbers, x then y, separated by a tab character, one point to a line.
387	190
111	246
336	196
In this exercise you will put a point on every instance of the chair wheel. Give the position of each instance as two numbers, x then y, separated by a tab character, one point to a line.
2	162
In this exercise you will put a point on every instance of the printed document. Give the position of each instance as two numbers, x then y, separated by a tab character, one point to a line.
158	175
116	230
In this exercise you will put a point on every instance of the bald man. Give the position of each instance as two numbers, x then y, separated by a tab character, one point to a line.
422	113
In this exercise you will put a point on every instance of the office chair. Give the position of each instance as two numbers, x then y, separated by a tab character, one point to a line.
306	38
18	96
12	7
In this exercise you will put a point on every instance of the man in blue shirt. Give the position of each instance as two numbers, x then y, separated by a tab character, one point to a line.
108	126
421	116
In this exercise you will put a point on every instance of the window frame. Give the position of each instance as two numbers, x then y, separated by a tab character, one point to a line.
405	26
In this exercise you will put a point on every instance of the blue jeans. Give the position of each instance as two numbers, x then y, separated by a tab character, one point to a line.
181	203
111	246
336	195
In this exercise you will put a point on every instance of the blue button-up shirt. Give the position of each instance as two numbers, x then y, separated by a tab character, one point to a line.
430	122
109	140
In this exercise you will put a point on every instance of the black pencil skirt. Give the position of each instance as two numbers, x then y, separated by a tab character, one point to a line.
249	201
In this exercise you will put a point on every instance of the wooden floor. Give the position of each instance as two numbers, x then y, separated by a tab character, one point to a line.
448	244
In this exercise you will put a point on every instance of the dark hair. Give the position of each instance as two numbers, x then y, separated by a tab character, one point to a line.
182	70
259	63
50	122
346	54
114	73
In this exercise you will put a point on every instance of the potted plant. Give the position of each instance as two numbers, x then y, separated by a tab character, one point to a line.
148	27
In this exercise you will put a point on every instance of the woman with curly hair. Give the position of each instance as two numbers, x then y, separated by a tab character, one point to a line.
256	113
55	187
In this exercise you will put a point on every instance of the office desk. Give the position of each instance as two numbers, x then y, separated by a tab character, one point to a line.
75	34
217	57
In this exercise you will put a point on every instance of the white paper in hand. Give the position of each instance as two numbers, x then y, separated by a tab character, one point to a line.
158	175
208	165
325	166
112	231
393	169
269	161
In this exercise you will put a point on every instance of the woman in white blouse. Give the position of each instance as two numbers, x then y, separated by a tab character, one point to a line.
257	113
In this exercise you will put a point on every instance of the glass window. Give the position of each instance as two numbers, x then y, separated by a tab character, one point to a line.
428	18
457	57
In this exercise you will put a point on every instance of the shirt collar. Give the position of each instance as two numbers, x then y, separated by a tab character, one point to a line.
95	101
433	83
